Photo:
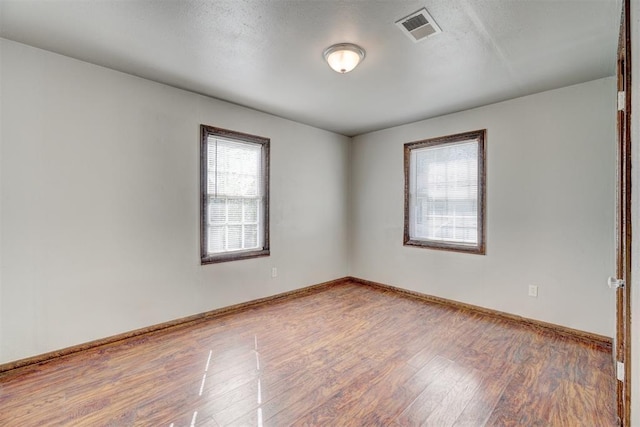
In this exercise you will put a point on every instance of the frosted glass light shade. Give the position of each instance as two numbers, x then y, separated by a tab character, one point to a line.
344	57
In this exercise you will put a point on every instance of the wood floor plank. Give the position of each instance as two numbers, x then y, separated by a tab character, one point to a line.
432	396
352	404
348	355
388	410
484	400
447	412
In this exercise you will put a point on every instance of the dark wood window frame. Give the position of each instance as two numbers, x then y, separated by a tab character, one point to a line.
480	247
205	256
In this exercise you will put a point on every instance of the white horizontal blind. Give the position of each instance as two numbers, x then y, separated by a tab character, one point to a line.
443	188
235	195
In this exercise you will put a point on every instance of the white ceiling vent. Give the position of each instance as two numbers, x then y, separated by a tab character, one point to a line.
419	25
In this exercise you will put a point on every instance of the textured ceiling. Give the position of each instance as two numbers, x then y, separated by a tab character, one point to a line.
267	54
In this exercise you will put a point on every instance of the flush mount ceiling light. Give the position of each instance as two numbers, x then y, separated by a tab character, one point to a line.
343	57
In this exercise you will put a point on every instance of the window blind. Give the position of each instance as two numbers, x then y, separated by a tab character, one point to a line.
234	195
444	193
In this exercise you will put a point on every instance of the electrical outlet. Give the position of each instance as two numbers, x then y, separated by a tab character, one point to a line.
274	272
533	290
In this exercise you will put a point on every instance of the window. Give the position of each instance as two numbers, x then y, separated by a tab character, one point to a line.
234	187
445	193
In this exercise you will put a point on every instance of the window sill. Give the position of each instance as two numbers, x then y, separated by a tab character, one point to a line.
444	246
233	256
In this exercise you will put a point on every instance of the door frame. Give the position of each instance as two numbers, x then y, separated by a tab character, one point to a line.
623	219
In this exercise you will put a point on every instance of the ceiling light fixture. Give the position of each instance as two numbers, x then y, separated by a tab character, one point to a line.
343	57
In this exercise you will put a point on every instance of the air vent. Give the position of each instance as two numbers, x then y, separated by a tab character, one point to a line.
419	25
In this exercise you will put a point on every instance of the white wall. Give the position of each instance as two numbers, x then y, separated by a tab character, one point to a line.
550	209
99	196
100	204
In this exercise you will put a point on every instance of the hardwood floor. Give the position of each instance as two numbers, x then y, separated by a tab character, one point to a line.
346	355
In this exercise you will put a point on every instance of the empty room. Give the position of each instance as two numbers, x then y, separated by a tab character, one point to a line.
319	212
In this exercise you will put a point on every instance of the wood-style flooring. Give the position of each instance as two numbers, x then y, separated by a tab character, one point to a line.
346	355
